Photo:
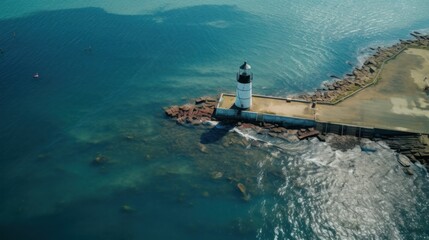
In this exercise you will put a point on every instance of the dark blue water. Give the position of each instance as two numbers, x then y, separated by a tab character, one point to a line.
106	70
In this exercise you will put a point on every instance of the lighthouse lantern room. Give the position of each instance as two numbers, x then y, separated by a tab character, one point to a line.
243	98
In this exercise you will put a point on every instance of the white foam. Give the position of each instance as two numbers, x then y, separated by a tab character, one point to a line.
246	135
211	123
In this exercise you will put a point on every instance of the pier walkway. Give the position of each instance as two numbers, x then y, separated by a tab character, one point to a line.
397	102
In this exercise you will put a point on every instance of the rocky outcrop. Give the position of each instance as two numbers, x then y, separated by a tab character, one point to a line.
363	76
277	131
415	147
306	133
200	111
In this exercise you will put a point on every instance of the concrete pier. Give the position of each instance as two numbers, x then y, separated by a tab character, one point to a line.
397	102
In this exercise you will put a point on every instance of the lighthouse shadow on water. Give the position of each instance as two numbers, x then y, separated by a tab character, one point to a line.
216	133
243	101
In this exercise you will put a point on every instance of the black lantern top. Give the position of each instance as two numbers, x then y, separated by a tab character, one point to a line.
244	75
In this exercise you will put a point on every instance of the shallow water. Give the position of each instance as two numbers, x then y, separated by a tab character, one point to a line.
107	69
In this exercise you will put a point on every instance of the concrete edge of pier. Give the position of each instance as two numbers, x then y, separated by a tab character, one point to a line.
297	122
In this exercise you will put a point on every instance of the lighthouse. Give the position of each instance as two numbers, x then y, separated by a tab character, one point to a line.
243	98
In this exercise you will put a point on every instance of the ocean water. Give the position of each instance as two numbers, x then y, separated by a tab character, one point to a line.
108	67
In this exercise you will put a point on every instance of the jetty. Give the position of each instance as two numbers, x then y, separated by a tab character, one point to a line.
385	98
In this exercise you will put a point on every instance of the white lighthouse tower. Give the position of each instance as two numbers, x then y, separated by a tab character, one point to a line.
243	98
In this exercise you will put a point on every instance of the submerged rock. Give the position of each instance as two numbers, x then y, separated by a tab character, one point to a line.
130	137
206	194
242	188
408	171
127	208
403	160
100	159
203	148
243	191
217	175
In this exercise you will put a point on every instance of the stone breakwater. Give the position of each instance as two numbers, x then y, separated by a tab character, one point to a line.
202	110
415	147
365	75
277	131
193	113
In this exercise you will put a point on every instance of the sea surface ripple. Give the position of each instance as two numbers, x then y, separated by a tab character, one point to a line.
107	68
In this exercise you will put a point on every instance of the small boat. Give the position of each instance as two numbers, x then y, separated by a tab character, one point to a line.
36	75
403	160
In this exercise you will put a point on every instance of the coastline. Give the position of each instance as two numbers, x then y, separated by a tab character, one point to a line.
365	75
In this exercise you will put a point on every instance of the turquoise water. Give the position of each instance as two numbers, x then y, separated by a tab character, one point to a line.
108	67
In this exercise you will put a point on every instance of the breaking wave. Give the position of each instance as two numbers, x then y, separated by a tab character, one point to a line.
328	193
